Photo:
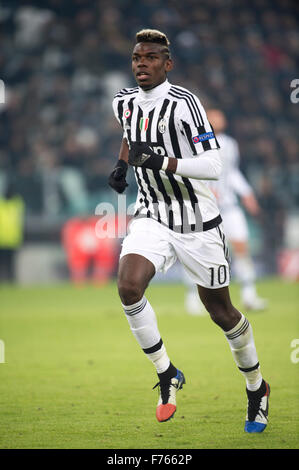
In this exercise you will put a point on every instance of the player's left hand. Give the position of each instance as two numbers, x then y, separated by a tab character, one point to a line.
140	154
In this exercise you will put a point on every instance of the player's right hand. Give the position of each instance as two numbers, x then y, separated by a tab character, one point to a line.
117	179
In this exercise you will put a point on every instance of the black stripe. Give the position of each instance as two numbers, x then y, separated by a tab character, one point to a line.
166	197
198	124
217	143
145	200
209	224
135	310
154	348
152	191
129	119
249	369
188	104
143	170
193	200
149	129
120	111
152	194
158	179
225	247
138	139
138	130
190	96
126	91
130	106
172	131
240	331
189	137
177	153
160	142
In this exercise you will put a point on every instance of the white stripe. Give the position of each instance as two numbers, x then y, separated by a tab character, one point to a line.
207	204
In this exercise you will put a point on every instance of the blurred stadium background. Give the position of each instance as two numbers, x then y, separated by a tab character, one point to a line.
62	62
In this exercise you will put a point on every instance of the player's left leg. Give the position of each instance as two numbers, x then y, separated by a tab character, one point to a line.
239	335
205	257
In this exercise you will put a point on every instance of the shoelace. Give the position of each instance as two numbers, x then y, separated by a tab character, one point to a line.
254	405
254	401
165	390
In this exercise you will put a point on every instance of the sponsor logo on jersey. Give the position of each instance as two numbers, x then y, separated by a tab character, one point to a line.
203	137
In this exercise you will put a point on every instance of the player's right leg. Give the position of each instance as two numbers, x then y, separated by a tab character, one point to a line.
134	274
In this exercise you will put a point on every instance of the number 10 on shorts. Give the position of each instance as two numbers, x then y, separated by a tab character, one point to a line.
219	274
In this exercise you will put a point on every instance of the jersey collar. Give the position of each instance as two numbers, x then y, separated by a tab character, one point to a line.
156	92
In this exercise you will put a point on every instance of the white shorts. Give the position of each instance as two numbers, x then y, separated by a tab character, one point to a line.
235	224
204	255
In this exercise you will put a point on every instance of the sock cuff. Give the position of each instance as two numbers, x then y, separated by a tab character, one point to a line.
249	369
239	329
135	308
156	347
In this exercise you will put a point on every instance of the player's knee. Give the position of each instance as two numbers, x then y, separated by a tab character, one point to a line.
129	291
214	307
223	314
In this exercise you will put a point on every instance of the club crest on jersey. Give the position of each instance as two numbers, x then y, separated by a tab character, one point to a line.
143	124
203	137
127	113
162	125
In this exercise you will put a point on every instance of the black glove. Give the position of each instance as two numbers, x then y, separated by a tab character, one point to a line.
141	154
117	179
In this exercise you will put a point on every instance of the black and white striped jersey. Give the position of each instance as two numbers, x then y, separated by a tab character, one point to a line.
173	122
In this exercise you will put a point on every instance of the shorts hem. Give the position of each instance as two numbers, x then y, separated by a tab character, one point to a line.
141	253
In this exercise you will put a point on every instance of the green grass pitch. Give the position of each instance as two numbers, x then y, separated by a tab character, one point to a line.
75	378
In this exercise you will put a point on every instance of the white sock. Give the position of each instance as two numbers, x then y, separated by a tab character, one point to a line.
143	323
241	342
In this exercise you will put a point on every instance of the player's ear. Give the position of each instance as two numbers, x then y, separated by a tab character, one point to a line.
168	65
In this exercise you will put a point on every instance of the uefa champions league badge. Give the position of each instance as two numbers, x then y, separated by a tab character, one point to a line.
162	125
203	137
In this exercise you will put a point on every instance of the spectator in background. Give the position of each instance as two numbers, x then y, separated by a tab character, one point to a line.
11	232
273	222
89	257
62	61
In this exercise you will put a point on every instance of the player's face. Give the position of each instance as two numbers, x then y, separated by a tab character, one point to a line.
149	65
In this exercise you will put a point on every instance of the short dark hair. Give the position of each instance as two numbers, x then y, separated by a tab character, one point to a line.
153	35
